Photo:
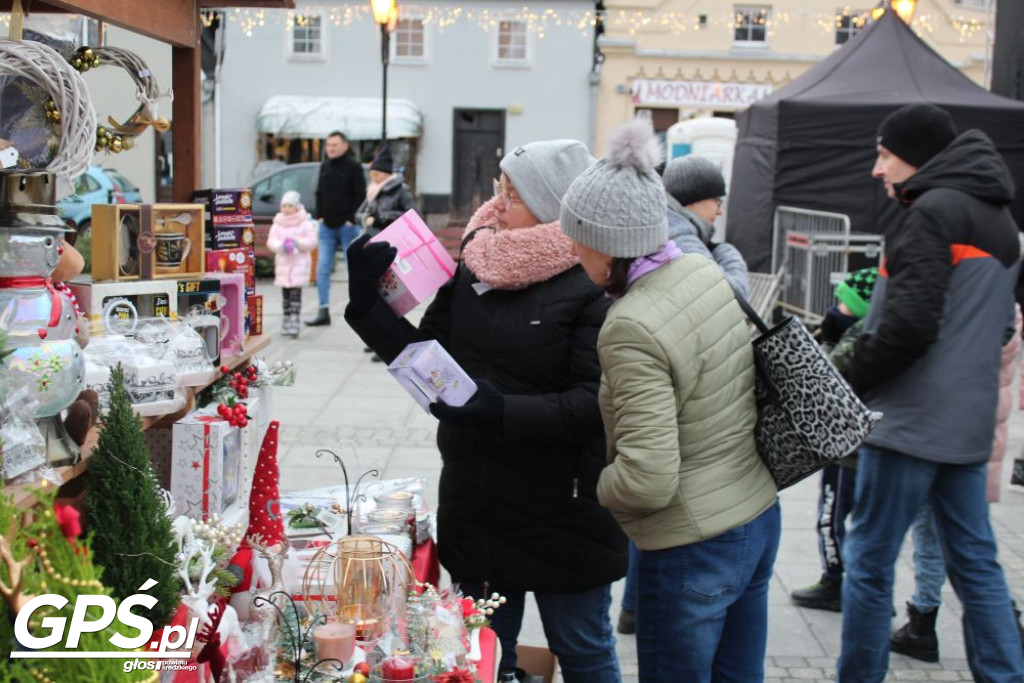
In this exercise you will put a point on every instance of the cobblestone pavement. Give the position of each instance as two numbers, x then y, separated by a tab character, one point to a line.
342	400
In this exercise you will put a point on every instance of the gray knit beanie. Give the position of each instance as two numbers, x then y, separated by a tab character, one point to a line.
541	173
691	178
618	205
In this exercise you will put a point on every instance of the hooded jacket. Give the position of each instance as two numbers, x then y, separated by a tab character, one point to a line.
340	189
393	199
692	235
929	359
292	270
519	508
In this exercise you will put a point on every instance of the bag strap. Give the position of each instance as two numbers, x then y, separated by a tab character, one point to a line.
751	314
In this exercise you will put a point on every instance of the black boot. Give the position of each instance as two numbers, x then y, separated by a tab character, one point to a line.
323	317
916	638
827	594
627	622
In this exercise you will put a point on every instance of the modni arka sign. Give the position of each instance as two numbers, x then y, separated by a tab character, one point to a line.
697	93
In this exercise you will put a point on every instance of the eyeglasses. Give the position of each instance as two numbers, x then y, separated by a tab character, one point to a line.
506	198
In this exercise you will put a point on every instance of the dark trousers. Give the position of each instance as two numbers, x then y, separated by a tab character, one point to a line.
834	505
291	297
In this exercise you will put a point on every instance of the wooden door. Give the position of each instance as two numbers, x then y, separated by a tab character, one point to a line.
479	145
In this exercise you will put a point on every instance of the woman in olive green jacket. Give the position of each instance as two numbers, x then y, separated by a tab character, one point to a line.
677	397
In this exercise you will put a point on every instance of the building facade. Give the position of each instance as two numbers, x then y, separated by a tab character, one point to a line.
680	59
484	77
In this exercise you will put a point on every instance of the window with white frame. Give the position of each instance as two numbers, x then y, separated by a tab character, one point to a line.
750	24
511	45
409	41
849	23
306	40
974	4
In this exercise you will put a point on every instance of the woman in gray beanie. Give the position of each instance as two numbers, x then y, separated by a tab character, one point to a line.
677	396
518	510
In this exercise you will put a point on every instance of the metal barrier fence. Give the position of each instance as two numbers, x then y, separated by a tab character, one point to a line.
816	263
792	219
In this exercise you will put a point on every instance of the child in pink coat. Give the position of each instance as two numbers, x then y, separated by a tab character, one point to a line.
292	238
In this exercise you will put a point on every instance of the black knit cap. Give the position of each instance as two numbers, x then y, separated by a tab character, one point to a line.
917	132
383	161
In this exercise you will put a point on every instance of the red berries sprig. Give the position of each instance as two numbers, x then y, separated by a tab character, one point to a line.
240	381
234	413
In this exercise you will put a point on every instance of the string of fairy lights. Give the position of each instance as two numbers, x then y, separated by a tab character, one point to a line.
541	20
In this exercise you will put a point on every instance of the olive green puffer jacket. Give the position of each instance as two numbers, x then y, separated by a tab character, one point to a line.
677	398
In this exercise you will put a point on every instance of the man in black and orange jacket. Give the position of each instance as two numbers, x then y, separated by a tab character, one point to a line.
929	361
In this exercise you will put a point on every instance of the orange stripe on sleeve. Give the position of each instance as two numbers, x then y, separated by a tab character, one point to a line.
960	252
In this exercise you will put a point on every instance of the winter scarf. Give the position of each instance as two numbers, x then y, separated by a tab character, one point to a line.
645	264
373	189
292	221
515	259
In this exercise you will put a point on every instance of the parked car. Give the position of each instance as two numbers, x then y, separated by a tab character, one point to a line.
97	186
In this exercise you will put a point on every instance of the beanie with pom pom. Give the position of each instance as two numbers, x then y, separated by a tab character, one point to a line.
617	206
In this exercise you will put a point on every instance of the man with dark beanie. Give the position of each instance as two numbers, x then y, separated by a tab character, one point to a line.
929	360
339	191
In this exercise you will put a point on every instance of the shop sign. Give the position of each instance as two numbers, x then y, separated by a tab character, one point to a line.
697	93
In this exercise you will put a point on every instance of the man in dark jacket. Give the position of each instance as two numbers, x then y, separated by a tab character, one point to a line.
339	192
929	360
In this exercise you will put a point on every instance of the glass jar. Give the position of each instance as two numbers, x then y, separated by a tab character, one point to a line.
28	315
53	371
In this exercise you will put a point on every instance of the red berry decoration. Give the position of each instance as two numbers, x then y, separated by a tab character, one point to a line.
225	369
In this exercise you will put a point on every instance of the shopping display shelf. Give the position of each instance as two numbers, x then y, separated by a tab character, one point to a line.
25	494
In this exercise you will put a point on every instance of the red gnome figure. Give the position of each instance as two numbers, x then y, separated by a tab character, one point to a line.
264	520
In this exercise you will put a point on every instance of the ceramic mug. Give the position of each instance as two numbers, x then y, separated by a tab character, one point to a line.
171	249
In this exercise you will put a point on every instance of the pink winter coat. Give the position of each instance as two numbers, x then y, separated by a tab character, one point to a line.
1006	371
292	270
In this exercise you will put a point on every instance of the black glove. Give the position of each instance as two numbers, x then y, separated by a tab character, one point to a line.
834	325
367	264
484	411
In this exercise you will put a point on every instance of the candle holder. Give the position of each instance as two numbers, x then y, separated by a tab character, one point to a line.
298	636
353	495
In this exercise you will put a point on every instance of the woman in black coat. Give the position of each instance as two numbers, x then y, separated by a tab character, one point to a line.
518	510
387	195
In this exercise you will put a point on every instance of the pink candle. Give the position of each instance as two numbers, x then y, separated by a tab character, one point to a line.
335	640
398	668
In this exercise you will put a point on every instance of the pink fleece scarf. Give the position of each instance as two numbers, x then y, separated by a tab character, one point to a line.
515	259
292	221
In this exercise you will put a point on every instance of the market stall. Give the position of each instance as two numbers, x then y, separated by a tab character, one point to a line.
137	431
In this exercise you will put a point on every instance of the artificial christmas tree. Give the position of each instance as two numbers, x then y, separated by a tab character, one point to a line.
132	535
41	553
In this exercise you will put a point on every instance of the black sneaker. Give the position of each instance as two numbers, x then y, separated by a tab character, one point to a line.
826	594
627	622
917	638
1017	478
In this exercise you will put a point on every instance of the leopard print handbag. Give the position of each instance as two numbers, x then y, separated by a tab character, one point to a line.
807	415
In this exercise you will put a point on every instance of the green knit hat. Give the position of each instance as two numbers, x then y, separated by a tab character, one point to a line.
855	290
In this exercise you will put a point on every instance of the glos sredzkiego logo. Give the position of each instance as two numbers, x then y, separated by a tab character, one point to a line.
174	644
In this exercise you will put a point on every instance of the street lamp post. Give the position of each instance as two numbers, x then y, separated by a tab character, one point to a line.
385	15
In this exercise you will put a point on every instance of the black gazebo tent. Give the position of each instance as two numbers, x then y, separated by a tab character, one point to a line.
811	144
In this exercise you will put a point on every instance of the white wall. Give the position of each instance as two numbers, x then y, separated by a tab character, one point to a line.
113	94
553	93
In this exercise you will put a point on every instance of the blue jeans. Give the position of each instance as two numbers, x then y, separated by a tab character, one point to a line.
629	593
330	240
891	490
703	608
577	627
929	562
834	504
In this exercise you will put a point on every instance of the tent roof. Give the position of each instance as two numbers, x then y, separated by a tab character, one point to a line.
359	118
886	64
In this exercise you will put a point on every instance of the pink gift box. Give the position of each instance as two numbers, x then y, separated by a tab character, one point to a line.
421	267
430	374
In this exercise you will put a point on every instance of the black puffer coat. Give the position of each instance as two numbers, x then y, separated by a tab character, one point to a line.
394	199
519	509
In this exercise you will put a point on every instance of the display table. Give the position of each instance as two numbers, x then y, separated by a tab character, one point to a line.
24	494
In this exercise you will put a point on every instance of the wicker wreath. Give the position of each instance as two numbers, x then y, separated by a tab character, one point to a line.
117	137
68	105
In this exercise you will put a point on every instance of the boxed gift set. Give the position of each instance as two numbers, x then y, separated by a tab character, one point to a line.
421	267
241	260
147	241
430	374
117	306
232	206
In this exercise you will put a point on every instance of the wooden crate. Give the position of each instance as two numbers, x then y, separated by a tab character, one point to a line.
126	237
115	249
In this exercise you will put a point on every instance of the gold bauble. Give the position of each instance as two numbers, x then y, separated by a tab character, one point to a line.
127	143
116	144
87	53
76	63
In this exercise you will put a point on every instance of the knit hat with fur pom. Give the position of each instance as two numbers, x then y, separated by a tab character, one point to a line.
618	206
